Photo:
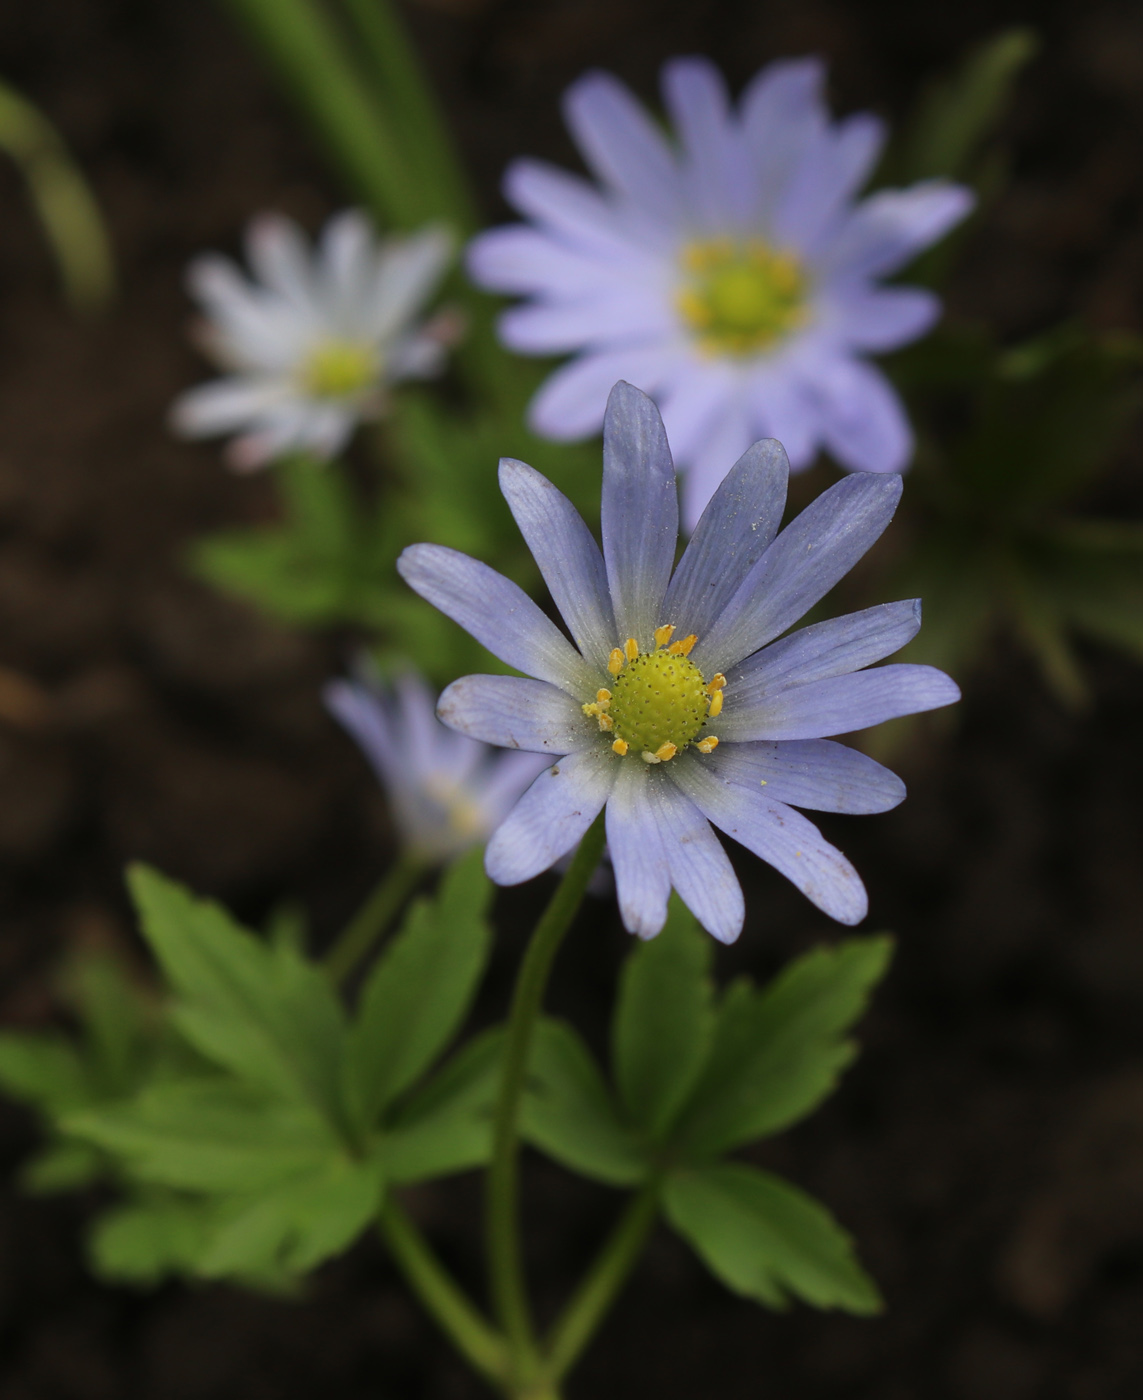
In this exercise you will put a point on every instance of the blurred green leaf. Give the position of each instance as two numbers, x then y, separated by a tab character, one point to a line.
146	1240
419	990
778	1052
446	1126
63	1166
766	1239
569	1113
664	1020
43	1070
265	1013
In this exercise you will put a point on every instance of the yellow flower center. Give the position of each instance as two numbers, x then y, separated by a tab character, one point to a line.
658	701
336	369
462	811
740	298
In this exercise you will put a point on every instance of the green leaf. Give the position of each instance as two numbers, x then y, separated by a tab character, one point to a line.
209	1135
568	1111
119	1022
144	1241
664	1020
64	1166
766	1239
294	1225
44	1071
420	990
777	1053
264	1013
446	1126
959	113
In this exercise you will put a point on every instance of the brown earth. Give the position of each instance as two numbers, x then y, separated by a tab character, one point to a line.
987	1151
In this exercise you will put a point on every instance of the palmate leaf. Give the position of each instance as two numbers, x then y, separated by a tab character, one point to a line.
664	1021
446	1126
778	1052
419	990
264	1013
149	1238
766	1239
569	1112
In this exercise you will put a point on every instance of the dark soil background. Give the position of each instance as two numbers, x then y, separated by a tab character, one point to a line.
987	1151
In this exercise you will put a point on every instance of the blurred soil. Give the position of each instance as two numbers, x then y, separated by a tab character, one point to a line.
987	1152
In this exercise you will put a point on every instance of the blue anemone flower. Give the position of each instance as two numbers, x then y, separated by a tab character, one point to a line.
681	703
725	265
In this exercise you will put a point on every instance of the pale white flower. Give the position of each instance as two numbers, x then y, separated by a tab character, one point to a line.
314	340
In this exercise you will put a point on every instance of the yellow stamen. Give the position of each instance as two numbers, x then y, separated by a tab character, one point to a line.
663	634
665	752
649	757
603	698
707	745
632	648
715	705
606	722
716	682
684	646
591	710
615	661
620	747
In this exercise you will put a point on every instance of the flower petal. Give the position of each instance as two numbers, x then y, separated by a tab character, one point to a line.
517	258
782	112
278	253
836	164
407	273
551	817
497	613
640	512
729	437
516	714
570	207
720	178
815	773
889	228
570	403
221	405
880	318
863	421
623	146
613	315
831	648
567	555
735	530
839	704
700	869
638	855
800	567
778	835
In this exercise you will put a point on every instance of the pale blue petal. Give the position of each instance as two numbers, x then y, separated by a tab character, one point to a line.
880	318
694	402
731	433
778	835
638	854
783	407
513	713
623	146
736	529
720	179
782	113
889	228
800	567
497	613
517	258
571	402
832	170
611	315
639	513
551	817
831	648
567	555
566	203
700	869
863	421
838	705
815	773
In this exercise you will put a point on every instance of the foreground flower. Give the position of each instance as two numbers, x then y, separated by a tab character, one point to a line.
733	277
448	792
313	344
676	706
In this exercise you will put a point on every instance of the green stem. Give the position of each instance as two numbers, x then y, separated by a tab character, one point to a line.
408	100
506	1275
374	916
456	1316
600	1287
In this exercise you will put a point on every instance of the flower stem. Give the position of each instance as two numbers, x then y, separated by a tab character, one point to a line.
506	1274
599	1288
374	916
461	1322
